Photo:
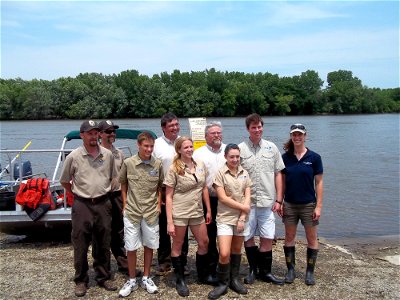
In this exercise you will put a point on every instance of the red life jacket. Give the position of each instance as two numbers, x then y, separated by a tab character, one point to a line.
34	192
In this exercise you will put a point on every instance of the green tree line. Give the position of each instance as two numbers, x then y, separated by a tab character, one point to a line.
208	93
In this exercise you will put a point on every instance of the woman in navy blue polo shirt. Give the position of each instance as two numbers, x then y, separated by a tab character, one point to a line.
303	186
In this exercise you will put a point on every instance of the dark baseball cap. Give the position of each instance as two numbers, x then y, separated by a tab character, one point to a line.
104	125
89	125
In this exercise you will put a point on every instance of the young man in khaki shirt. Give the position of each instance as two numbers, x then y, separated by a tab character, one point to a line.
141	180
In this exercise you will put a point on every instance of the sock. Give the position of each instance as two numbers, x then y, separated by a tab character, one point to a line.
144	278
132	280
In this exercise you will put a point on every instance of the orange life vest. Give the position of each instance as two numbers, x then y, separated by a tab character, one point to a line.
34	192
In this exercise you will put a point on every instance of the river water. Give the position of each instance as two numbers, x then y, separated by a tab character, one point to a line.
360	154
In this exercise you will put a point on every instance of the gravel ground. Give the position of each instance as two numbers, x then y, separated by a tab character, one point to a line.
41	268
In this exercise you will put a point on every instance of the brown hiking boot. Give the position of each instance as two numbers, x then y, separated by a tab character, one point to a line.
80	289
108	285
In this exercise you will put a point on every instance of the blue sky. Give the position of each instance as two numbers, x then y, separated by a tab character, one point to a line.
53	39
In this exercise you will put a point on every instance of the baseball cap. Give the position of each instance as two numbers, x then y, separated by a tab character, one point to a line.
89	125
104	125
298	127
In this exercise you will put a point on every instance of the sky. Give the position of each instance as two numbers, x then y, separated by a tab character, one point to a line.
53	39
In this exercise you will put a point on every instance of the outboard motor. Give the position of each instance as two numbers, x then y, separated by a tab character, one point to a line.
26	169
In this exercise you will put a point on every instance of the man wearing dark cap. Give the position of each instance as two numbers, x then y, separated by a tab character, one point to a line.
87	173
107	138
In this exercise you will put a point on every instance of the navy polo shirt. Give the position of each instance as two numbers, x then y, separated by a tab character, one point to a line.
299	176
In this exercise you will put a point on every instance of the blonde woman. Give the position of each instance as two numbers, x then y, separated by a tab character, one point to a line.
186	189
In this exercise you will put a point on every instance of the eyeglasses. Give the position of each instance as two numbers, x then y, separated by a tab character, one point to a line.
109	131
215	133
298	126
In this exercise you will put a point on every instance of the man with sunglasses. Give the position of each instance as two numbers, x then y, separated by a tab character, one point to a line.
107	137
263	161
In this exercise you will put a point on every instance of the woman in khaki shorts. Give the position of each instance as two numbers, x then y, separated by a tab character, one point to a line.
303	186
185	190
232	184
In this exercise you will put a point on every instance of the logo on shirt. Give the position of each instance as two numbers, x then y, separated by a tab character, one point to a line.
199	170
153	172
307	162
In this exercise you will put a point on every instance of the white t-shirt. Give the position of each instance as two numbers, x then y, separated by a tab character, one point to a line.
213	161
164	149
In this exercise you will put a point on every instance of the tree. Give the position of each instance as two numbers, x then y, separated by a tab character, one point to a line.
344	92
282	104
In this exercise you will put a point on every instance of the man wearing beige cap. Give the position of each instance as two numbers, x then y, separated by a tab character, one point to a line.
87	173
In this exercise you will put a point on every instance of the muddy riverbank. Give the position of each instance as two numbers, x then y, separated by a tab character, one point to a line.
40	268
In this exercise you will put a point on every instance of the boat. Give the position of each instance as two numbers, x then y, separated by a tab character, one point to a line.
13	218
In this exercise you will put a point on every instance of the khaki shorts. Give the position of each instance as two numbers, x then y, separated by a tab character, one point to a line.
226	229
292	213
189	221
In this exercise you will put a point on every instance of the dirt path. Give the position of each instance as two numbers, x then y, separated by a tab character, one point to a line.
346	269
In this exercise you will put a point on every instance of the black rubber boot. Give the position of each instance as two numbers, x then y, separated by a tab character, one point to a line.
290	263
311	260
203	272
186	270
181	286
235	283
265	265
223	281
251	253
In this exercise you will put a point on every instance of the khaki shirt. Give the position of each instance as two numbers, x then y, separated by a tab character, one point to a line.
144	181
118	160
187	200
262	161
234	186
91	176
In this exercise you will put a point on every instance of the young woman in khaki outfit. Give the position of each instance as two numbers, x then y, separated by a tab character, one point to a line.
186	189
232	184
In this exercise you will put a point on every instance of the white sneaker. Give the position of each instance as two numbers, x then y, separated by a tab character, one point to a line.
128	288
149	285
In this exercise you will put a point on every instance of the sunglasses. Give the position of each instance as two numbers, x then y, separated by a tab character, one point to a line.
109	131
298	126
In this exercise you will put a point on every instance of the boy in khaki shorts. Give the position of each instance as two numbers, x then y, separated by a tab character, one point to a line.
141	179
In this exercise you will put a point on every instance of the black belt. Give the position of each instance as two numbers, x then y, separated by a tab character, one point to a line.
115	193
93	200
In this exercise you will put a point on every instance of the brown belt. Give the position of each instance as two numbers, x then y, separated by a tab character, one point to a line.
93	200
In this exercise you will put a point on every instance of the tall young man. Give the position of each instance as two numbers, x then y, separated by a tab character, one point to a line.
263	161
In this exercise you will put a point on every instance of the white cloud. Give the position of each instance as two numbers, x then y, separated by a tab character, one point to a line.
153	37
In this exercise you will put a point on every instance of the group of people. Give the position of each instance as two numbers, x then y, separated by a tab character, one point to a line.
226	194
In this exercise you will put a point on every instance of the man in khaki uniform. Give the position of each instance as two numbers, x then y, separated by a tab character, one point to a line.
107	138
87	173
